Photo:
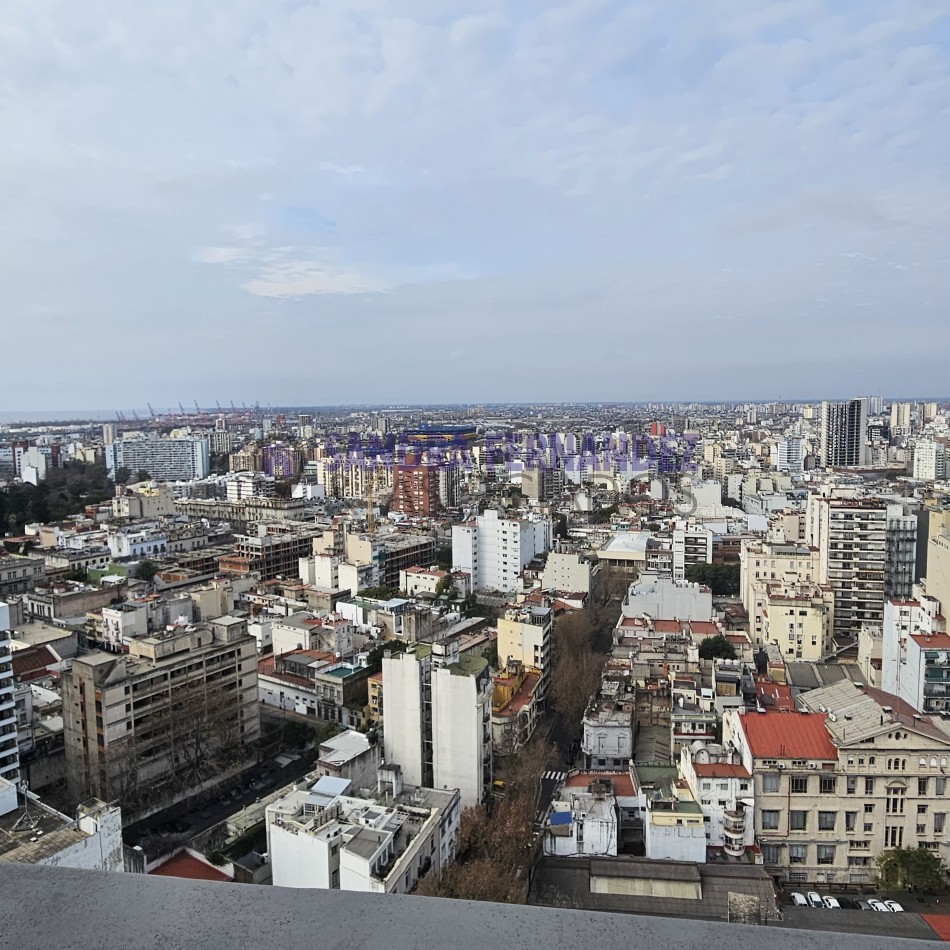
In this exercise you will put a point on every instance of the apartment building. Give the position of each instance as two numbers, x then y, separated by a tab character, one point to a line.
19	574
851	537
165	459
658	596
494	549
524	634
856	774
915	662
174	714
723	788
437	708
328	834
797	617
416	487
515	707
567	571
930	460
275	550
843	433
9	753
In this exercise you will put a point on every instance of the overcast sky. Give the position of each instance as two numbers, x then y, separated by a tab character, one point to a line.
444	201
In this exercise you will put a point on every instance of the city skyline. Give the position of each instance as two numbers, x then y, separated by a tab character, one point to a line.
422	201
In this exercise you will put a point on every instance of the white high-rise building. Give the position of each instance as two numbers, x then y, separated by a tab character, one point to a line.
9	755
930	460
494	550
790	455
165	460
900	418
844	433
437	718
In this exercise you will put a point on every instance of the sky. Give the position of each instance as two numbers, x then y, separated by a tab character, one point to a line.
387	201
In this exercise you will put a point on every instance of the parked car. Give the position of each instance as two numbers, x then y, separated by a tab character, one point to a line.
814	899
831	903
799	899
879	906
862	905
895	908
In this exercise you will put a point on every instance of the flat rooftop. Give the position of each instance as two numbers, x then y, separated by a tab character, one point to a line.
204	915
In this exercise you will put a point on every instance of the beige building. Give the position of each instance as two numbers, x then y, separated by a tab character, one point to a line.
524	634
839	784
770	563
798	618
178	712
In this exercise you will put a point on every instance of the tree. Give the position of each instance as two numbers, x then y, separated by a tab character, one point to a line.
146	570
560	527
721	579
576	670
494	847
717	648
914	869
142	475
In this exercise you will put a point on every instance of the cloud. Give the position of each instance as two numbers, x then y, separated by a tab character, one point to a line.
507	171
302	278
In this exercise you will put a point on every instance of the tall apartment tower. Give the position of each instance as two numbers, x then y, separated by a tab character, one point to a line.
901	417
437	718
930	460
9	754
844	433
416	487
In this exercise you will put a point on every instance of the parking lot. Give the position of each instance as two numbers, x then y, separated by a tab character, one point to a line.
851	917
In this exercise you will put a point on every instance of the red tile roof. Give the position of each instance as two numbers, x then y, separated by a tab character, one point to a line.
667	626
788	735
31	663
720	770
937	641
706	627
774	695
188	866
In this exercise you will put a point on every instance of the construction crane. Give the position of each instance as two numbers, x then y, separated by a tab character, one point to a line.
181	407
150	409
197	410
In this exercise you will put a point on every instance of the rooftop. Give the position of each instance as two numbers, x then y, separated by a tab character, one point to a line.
209	916
781	735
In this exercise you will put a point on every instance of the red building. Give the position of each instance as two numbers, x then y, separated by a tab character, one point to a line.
416	487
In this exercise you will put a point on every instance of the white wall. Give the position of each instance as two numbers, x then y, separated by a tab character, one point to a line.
402	714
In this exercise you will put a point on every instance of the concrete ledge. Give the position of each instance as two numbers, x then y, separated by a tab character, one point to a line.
89	910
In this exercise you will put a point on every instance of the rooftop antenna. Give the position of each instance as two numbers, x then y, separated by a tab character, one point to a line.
26	821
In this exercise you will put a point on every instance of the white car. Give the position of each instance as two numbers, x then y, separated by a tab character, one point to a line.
799	900
831	903
814	899
879	906
894	907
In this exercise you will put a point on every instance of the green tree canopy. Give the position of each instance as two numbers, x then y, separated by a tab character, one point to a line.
911	869
717	648
146	570
721	579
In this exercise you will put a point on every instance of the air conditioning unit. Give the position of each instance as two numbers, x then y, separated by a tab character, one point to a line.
781	766
813	765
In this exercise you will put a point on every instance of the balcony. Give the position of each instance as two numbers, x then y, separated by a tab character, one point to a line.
734	823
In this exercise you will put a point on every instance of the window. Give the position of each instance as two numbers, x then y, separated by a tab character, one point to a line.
869	808
826	854
827	784
894	836
798	820
852	784
895	801
796	854
799	784
940	818
922	784
921	809
869	786
769	820
826	820
770	782
850	819
770	854
941	784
